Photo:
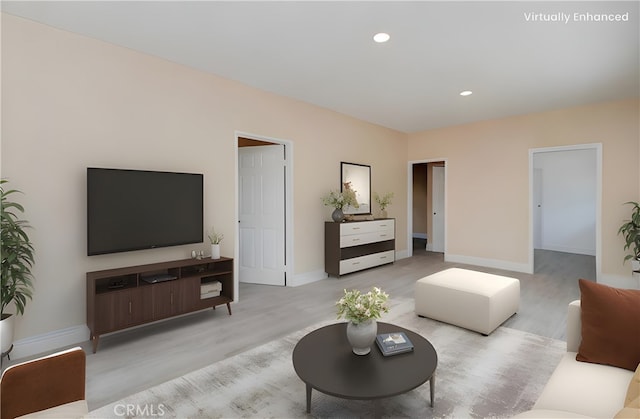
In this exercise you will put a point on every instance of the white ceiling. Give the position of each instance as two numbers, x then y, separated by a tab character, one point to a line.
323	53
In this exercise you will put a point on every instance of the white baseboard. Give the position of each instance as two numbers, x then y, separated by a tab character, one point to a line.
619	281
402	254
50	341
307	278
489	263
420	236
566	249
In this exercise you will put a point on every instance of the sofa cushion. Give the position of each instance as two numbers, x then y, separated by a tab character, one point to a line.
610	325
584	388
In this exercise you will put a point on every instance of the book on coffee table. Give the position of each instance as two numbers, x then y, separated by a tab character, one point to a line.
393	343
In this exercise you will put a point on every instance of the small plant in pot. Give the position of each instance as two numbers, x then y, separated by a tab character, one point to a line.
630	230
16	250
215	239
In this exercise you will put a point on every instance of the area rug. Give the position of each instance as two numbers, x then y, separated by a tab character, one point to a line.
477	376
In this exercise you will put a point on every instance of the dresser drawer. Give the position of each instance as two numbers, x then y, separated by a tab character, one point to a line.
364	262
367	227
365	238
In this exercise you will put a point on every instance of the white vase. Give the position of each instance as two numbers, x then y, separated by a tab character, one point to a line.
361	336
6	332
635	265
215	251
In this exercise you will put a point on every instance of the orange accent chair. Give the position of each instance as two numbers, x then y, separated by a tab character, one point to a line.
51	386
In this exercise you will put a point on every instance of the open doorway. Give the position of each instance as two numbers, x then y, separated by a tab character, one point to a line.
565	197
263	191
427	206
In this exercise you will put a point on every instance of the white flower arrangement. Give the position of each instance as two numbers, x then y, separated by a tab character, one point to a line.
383	201
358	308
339	200
215	238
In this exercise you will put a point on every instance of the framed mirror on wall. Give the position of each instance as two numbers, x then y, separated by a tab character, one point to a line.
357	177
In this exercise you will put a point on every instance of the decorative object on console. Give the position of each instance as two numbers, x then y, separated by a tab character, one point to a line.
16	284
340	200
356	178
362	310
215	239
383	201
631	232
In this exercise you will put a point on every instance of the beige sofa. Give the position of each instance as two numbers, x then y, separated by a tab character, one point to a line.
580	389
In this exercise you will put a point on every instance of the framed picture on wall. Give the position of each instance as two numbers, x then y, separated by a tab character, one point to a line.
357	177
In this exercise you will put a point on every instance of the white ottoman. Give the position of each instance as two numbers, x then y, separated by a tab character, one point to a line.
473	300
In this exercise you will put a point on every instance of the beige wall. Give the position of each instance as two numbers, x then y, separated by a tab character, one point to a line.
488	178
70	102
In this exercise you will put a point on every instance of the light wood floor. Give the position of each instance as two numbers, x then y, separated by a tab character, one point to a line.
136	359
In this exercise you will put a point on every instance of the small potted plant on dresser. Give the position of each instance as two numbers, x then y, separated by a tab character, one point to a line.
383	201
215	239
17	260
630	230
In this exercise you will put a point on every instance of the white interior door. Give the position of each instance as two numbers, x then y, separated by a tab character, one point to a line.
262	215
437	185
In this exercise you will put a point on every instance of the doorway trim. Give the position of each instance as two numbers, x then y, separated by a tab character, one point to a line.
410	165
593	146
288	204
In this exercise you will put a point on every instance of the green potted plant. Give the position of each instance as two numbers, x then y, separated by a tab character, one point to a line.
16	250
630	230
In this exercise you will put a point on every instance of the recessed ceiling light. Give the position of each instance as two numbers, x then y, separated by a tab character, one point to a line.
381	37
466	93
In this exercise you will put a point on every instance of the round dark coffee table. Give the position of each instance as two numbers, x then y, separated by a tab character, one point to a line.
323	360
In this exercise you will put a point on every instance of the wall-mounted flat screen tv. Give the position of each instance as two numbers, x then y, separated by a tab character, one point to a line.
138	209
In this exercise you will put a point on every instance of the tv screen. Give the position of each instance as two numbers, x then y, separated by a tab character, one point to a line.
135	209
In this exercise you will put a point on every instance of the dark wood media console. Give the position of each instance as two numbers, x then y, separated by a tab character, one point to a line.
124	297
